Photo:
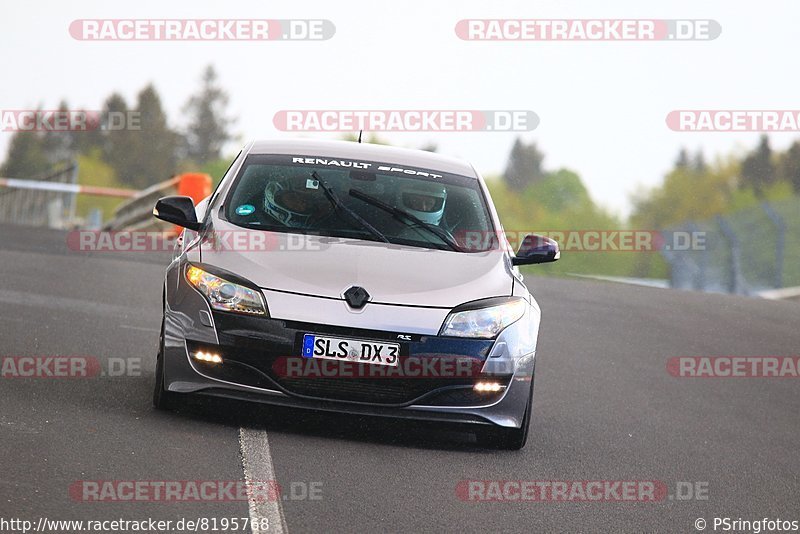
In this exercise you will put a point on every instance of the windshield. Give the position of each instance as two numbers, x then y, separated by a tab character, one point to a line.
361	199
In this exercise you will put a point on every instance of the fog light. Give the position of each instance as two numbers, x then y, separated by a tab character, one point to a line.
487	387
207	357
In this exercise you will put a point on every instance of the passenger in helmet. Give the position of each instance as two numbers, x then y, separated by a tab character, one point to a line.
423	200
296	201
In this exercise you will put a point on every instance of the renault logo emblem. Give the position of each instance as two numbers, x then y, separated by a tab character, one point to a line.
356	297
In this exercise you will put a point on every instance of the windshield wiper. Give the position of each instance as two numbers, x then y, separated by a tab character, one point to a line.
340	207
402	214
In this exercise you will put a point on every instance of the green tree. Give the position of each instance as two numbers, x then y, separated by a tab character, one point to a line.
560	203
209	126
682	161
26	157
699	163
117	144
153	148
758	170
91	140
559	191
59	145
789	166
686	194
696	162
524	165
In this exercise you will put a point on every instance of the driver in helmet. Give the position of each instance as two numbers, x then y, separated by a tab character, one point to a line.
424	200
297	201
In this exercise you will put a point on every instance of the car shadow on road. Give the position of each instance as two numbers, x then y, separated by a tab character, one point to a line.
331	425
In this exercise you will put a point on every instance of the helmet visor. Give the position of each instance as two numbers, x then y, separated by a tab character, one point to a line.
295	201
422	202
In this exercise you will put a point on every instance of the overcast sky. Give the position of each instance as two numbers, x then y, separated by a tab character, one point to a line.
602	105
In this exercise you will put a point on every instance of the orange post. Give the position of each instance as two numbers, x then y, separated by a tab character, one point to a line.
196	185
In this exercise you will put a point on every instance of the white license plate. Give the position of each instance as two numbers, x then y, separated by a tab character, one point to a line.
351	350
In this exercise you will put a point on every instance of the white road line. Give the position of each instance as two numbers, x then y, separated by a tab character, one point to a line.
141	328
257	466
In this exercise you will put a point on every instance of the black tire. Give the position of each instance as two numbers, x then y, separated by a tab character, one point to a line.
162	399
509	439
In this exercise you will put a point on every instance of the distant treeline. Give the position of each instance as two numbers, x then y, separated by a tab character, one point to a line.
144	151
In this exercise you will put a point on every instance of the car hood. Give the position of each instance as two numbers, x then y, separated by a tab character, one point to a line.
326	267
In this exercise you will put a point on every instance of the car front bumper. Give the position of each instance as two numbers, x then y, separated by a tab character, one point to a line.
253	347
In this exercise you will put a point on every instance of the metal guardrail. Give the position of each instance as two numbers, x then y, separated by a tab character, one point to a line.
137	213
50	200
40	207
746	252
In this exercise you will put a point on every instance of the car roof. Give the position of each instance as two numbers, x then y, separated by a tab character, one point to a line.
365	152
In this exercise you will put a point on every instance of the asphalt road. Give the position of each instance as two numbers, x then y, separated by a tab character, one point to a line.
605	408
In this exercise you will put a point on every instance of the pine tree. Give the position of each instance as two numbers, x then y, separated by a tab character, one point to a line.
59	145
682	161
154	146
208	129
524	166
758	171
789	169
699	163
26	157
117	145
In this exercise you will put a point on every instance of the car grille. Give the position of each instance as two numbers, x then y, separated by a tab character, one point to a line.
372	390
252	348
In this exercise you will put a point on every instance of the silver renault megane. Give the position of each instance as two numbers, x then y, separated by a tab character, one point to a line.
352	278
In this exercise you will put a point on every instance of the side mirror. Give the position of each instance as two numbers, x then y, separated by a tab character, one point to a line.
536	249
177	210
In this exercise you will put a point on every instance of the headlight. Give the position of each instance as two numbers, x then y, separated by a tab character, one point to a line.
224	295
483	322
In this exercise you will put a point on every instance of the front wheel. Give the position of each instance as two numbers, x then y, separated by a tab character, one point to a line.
509	439
162	399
